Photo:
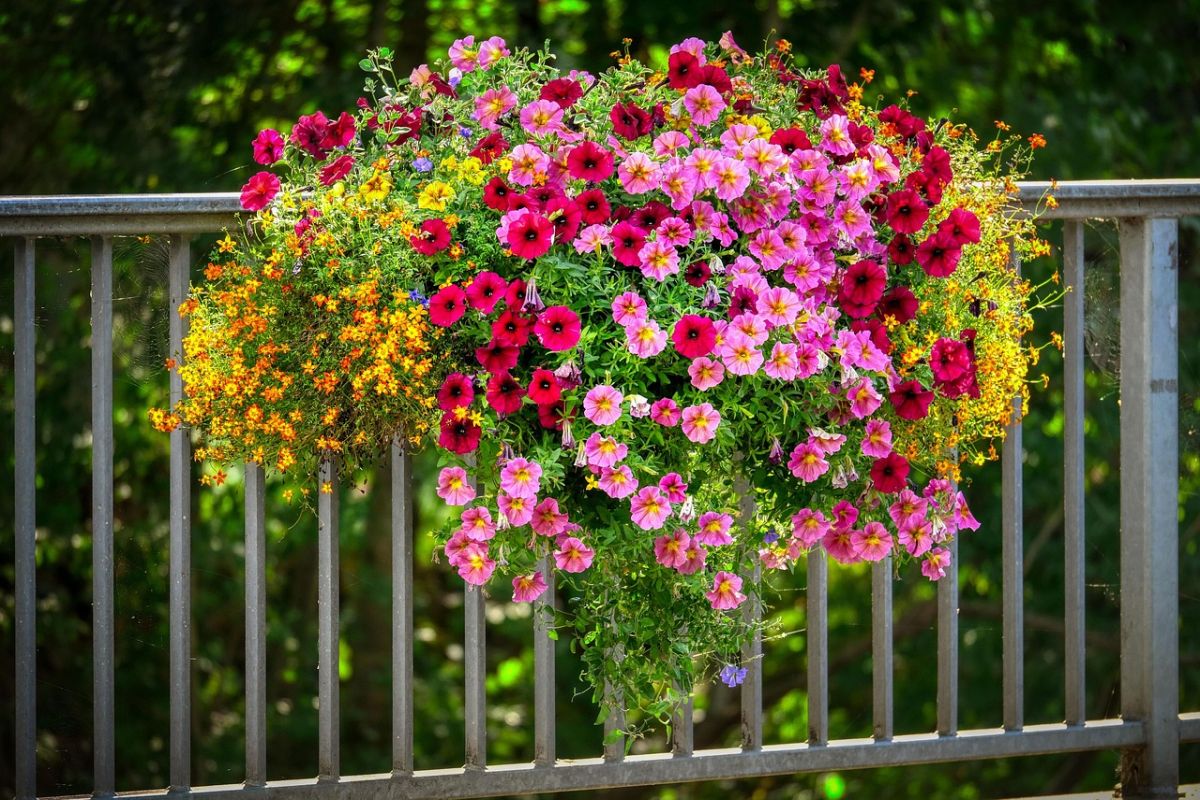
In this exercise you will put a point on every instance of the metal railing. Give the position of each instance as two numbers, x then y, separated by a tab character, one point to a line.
1150	728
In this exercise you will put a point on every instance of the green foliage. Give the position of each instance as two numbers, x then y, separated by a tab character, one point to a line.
156	96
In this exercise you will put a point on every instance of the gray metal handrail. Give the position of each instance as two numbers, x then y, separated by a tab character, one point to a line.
1150	729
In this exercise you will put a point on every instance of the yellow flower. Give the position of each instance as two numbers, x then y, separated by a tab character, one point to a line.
435	196
376	188
227	245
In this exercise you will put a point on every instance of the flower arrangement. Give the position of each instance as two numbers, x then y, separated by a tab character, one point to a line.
661	325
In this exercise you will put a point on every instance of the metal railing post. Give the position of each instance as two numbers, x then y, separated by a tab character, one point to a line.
1149	503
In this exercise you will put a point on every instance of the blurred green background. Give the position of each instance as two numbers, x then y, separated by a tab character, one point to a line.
165	95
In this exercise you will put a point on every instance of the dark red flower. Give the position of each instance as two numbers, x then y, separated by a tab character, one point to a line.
897	303
906	124
490	147
878	331
563	91
949	359
558	328
541	196
259	191
530	235
648	216
925	184
901	251
590	162
522	202
593	207
434	237
485	290
339	132
544	388
447	306
862	287
496	358
697	273
938	255
512	329
744	300
629	121
936	165
457	390
514	295
790	140
694	336
565	217
716	77
911	400
335	170
458	435
683	70
504	394
962	227
308	134
551	415
890	473
906	211
627	241
497	194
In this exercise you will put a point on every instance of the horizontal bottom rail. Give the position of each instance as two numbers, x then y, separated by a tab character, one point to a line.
1189	727
704	765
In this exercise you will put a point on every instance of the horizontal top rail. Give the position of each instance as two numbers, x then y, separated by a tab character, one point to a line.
81	215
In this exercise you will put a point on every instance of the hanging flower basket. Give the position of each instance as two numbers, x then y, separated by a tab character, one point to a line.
664	329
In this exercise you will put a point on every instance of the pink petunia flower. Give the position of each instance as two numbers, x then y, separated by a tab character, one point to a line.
477	524
592	239
639	174
649	508
740	354
916	536
839	543
673	486
782	364
603	451
835	136
475	568
730	179
704	103
521	477
618	482
693	559
665	412
527	588
644	338
492	51
809	527
542	117
706	373
714	528
726	591
658	260
517	510
547	519
454	487
259	191
763	157
908	508
877	438
529	162
492	105
268	146
699	422
671	550
627	308
602	405
807	462
464	54
935	563
460	546
573	555
873	542
864	400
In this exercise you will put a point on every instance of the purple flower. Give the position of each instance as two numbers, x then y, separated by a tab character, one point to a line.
771	537
423	164
732	676
464	132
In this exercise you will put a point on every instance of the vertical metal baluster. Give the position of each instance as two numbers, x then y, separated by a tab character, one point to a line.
544	749
180	533
881	647
1012	533
752	615
681	729
256	627
1074	575
1150	502
402	610
25	520
104	698
327	623
475	677
818	648
614	751
947	661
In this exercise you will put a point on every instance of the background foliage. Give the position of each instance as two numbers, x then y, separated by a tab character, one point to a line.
165	95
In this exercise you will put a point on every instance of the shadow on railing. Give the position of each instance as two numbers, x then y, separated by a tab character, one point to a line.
1150	729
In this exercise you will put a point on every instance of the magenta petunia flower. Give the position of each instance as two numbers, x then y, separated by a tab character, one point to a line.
544	387
458	435
603	451
485	290
700	422
863	398
935	563
704	103
495	357
454	486
530	235
670	550
714	528
877	438
809	527
726	591
476	568
504	394
890	473
527	588
558	328
447	306
627	243
433	238
939	254
644	338
590	162
517	510
573	555
665	412
602	405
259	191
628	308
268	146
694	336
456	390
649	508
911	400
673	486
949	359
916	536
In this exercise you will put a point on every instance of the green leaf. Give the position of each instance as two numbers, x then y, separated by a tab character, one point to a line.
365	65
614	736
